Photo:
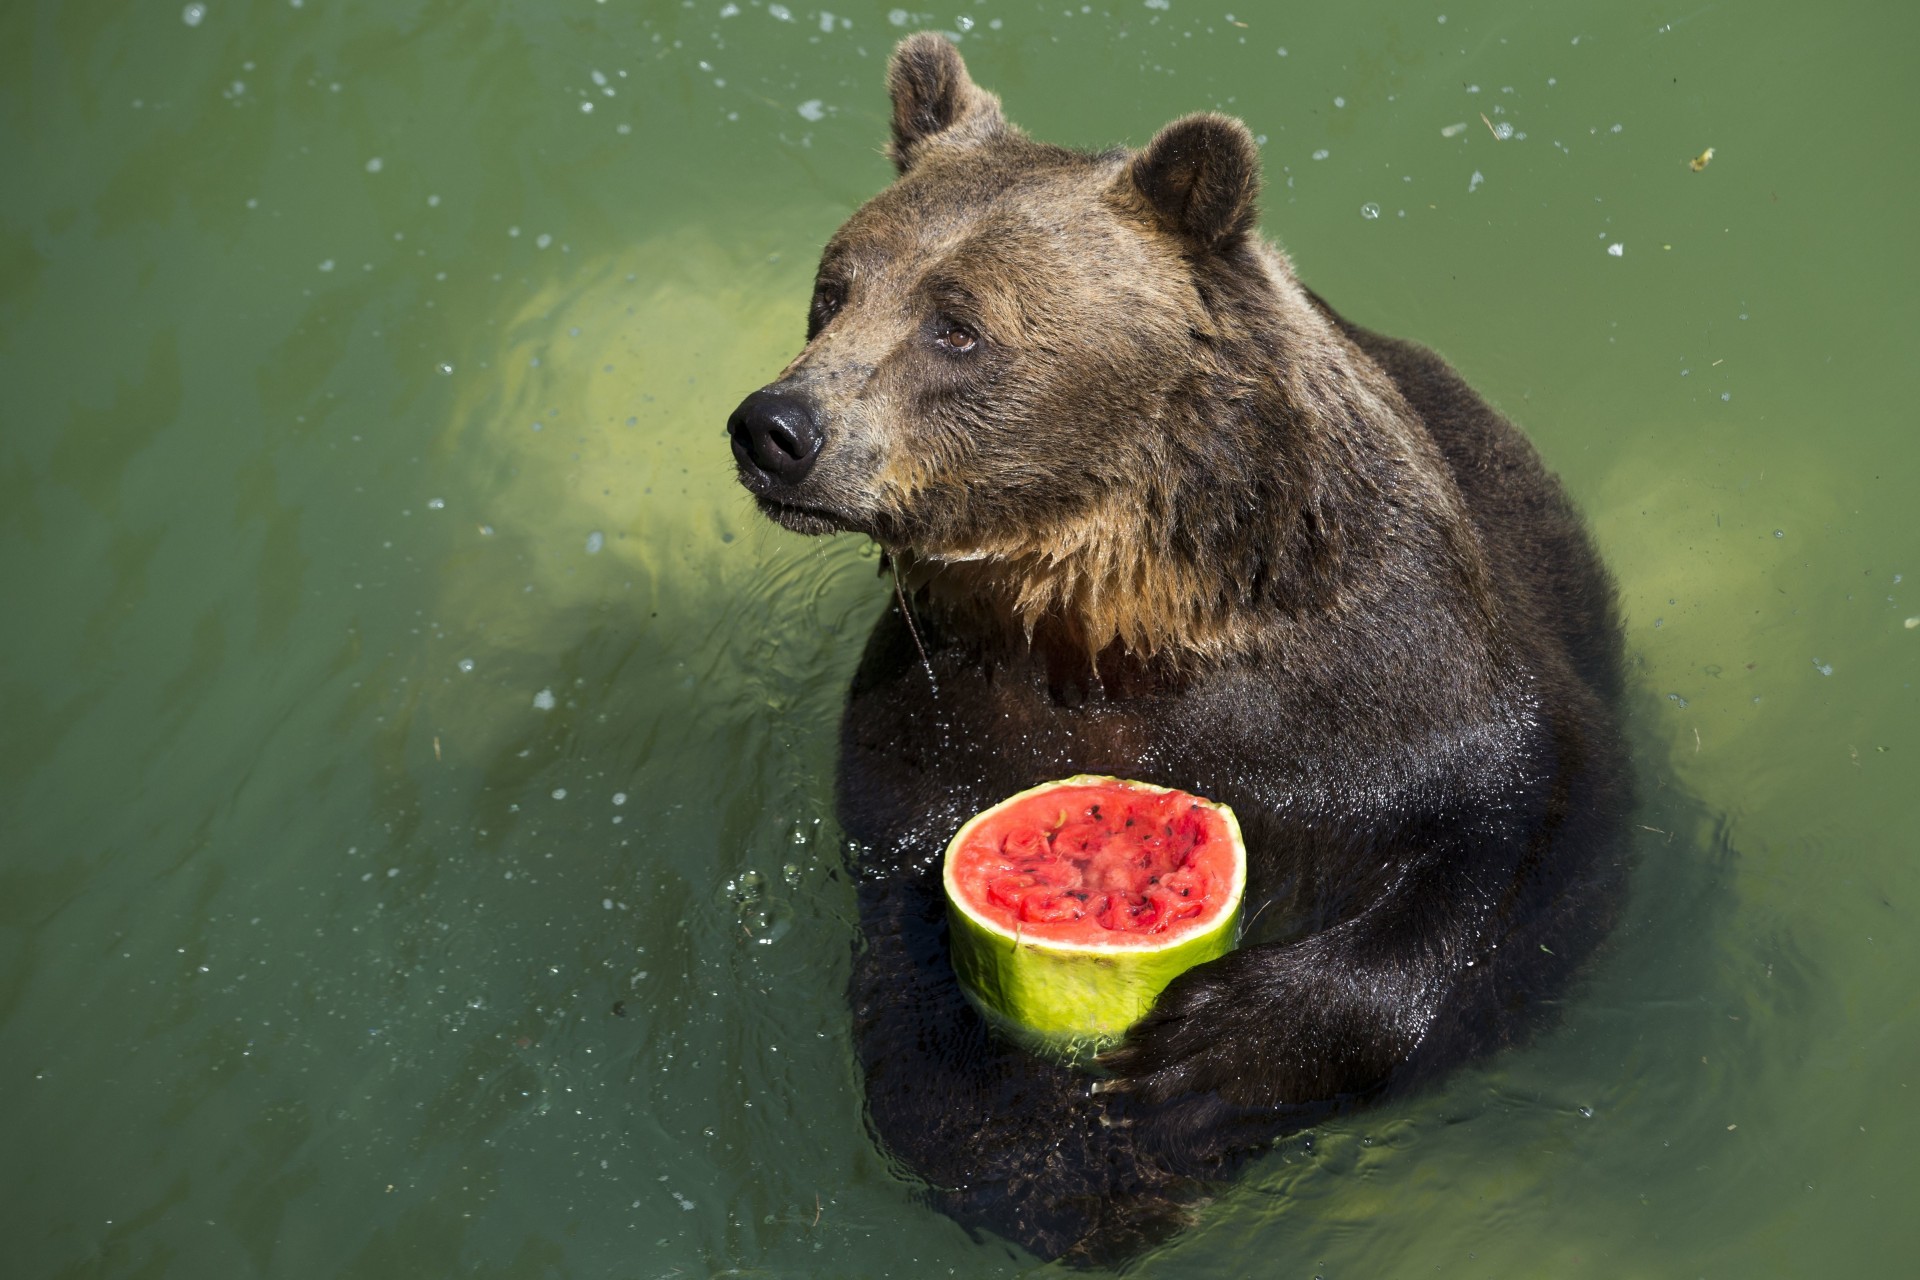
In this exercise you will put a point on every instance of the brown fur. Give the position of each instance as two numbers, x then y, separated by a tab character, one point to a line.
1162	513
1128	512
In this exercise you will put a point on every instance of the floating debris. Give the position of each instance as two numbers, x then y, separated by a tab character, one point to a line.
1701	161
1453	130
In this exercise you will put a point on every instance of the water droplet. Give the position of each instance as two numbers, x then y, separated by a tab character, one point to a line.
465	665
444	367
1369	211
619	797
436	504
375	165
194	14
542	240
559	793
327	265
1779	533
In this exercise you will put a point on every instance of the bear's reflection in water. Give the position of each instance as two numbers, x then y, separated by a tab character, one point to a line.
1159	512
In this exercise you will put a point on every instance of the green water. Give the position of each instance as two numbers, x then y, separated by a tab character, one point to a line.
415	844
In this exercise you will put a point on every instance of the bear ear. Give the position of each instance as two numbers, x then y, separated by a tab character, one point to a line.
933	96
1200	175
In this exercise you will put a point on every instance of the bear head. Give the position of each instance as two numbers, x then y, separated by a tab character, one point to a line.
1064	388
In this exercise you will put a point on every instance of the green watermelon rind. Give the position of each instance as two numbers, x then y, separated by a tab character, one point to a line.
1073	1000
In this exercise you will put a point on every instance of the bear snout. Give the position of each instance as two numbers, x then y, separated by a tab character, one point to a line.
776	439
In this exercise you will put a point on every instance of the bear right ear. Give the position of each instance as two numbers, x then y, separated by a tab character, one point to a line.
934	97
1199	175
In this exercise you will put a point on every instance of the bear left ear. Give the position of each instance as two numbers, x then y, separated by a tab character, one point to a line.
933	96
1200	175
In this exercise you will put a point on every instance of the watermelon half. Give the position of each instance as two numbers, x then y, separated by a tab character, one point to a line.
1073	904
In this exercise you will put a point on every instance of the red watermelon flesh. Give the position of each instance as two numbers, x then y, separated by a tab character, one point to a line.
1098	864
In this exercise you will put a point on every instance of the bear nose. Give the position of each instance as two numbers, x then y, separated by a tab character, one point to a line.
776	434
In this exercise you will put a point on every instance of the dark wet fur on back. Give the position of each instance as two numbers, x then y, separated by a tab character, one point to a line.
1162	513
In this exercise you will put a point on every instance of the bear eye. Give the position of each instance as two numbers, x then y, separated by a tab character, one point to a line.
955	337
827	300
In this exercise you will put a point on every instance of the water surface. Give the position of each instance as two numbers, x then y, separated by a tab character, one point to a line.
415	840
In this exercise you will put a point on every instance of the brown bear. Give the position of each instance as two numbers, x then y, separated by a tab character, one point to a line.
1155	510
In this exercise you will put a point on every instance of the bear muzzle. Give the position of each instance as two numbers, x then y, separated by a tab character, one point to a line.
777	437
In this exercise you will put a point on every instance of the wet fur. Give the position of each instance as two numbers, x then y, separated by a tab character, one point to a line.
1174	519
